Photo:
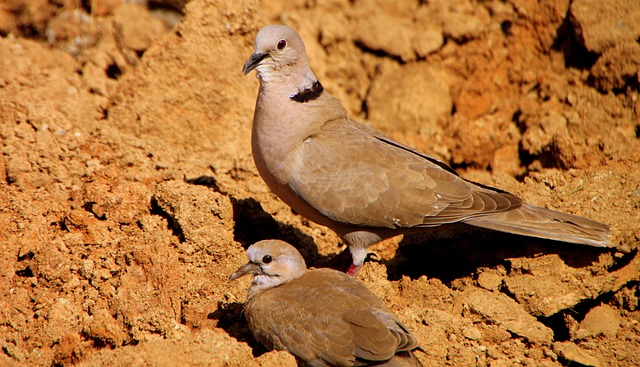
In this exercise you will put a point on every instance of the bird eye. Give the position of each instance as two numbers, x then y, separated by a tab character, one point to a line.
282	44
267	259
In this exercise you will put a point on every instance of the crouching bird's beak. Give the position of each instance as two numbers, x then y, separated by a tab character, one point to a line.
248	268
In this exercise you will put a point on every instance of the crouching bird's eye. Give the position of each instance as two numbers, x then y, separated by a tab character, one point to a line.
282	44
267	259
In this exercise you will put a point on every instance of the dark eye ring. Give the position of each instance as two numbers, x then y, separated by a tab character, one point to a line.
267	259
282	44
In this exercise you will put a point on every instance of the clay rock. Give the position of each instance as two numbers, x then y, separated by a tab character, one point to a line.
104	7
546	285
8	23
216	114
460	20
277	358
403	41
404	32
138	28
574	353
617	67
118	200
599	25
498	309
540	134
71	31
102	327
210	348
602	320
200	214
481	141
420	95
490	280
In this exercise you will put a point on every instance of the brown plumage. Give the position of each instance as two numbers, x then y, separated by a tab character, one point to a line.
324	317
360	183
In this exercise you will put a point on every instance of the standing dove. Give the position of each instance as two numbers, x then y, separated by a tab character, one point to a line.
323	316
364	186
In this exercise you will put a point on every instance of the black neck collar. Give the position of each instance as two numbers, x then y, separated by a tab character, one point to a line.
309	94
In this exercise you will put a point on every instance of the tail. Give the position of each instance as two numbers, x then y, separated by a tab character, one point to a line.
534	221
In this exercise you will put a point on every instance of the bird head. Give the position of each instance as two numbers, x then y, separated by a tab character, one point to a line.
272	263
279	50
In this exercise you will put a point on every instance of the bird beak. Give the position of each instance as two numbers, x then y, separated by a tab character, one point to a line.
254	61
248	268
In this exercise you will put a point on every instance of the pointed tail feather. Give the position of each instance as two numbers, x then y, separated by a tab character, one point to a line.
534	221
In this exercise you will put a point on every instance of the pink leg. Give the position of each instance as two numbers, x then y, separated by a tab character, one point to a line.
353	270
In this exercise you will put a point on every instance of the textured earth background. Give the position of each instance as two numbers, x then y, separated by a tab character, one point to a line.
128	192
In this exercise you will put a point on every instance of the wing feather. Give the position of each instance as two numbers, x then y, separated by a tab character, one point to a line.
373	181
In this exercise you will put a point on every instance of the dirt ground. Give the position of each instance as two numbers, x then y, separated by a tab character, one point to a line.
128	192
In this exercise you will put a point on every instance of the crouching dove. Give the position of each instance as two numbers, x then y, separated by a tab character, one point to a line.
364	186
322	316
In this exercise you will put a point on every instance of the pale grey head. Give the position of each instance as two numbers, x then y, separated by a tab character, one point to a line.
279	53
272	263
